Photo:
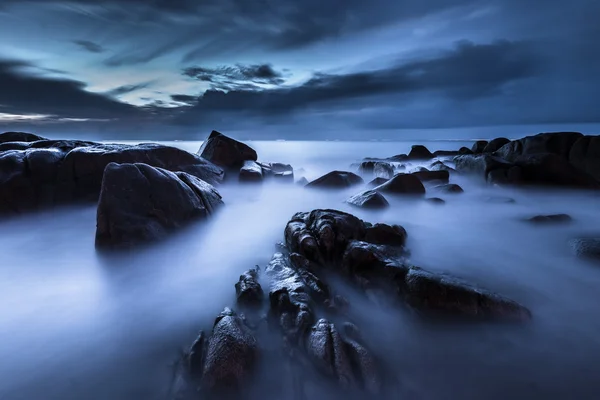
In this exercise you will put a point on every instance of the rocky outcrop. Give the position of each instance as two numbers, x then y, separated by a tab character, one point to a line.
585	155
425	176
369	199
376	182
139	204
558	143
379	169
52	172
248	291
226	152
251	171
495	145
479	146
549	219
419	152
440	166
405	184
278	171
19	137
336	180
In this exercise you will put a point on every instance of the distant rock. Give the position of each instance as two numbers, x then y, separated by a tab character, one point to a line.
558	143
19	137
279	171
479	146
139	204
302	181
377	168
435	200
406	184
251	171
369	199
226	152
419	152
550	219
499	200
449	188
377	181
336	180
465	150
424	176
440	166
585	155
445	153
495	145
586	247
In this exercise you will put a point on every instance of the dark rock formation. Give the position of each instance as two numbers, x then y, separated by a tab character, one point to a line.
377	181
424	176
479	146
419	152
392	235
19	137
50	172
368	199
445	153
464	150
558	143
139	203
278	171
248	291
439	293
586	247
440	166
550	219
231	354
499	200
406	184
449	188
336	180
226	152
585	155
381	169
495	145
251	171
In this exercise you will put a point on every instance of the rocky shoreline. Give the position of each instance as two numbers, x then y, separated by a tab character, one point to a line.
144	192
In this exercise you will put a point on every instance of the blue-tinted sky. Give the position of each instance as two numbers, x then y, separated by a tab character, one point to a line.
173	68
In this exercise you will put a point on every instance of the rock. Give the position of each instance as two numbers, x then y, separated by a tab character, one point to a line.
368	199
377	168
480	164
425	176
445	153
196	357
392	235
443	294
585	155
19	137
406	184
336	180
248	291
377	181
440	166
435	200
479	146
419	152
495	145
231	355
226	152
465	151
551	170
302	181
449	188
548	219
400	157
279	171
558	143
499	200
586	247
365	365
251	171
139	203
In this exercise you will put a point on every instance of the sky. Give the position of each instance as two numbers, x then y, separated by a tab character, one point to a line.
175	69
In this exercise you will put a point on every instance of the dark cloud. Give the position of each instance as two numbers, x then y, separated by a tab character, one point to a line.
127	89
24	93
237	77
184	98
89	46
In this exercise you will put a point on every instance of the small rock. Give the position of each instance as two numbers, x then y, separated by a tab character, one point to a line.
499	200
435	200
302	181
402	184
226	152
449	188
586	247
479	146
251	172
419	152
369	199
548	219
336	179
440	166
248	290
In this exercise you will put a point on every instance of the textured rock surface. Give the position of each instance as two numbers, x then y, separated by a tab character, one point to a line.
336	180
19	137
226	152
368	199
406	184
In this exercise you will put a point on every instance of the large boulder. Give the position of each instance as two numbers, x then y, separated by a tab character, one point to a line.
419	152
449	188
226	152
424	176
479	146
558	143
585	155
336	180
19	137
406	184
480	165
379	169
368	199
495	145
550	170
377	181
440	166
251	171
279	171
139	203
51	172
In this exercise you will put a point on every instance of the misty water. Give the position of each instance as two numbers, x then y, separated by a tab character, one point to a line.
75	324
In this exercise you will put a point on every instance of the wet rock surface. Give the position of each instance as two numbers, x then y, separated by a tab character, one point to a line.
139	204
405	184
278	171
19	137
479	146
425	176
226	152
336	180
248	291
369	199
449	188
251	171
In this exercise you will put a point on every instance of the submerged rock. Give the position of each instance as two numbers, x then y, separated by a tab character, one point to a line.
419	152
368	199
336	180
226	152
251	171
435	200
278	171
449	188
19	137
302	181
406	184
248	290
139	203
586	247
439	293
424	176
548	219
